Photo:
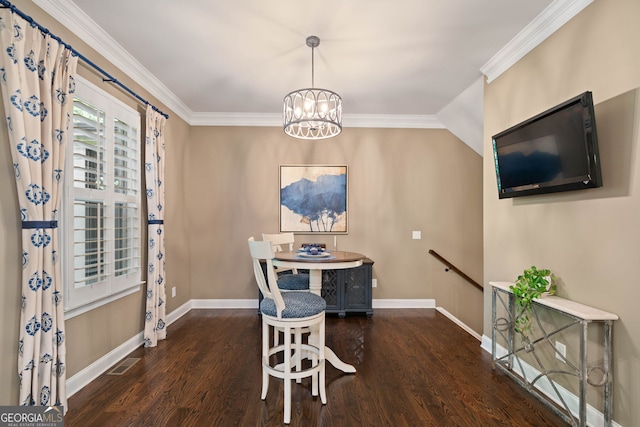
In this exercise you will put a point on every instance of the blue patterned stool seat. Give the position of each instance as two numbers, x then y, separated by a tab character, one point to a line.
294	282
297	305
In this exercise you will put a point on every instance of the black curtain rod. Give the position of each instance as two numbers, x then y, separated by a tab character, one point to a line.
108	77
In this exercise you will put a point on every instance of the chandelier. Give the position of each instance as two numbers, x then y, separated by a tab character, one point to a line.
312	113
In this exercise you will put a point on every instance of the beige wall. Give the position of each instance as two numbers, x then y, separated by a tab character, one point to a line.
399	181
590	239
222	186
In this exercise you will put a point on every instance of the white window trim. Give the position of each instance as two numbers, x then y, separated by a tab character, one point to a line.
76	311
94	296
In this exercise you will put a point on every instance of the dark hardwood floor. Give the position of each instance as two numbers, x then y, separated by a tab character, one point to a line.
414	368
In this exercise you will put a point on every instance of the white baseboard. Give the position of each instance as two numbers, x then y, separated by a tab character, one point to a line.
404	303
253	303
100	366
459	323
179	312
486	344
595	418
224	303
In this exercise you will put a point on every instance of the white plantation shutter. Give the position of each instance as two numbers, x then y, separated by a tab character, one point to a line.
127	239
88	146
88	243
104	239
88	194
126	183
126	158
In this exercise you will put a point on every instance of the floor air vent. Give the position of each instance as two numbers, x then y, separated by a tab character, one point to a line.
123	366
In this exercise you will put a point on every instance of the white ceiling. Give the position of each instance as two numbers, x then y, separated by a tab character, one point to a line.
207	57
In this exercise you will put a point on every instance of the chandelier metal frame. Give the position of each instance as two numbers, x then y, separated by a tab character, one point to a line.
312	113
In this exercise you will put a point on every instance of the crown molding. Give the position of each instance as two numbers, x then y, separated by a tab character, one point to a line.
349	120
546	23
75	20
236	119
392	121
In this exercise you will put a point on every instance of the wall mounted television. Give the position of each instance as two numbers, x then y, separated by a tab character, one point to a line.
557	150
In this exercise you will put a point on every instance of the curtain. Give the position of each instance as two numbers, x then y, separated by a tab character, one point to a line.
155	325
37	80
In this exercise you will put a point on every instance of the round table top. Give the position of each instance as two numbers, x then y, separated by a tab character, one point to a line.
336	256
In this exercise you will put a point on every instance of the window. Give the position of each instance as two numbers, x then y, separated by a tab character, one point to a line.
101	204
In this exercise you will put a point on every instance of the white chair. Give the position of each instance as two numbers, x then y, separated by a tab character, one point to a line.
293	281
289	312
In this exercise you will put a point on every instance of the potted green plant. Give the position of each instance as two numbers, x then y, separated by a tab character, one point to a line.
531	284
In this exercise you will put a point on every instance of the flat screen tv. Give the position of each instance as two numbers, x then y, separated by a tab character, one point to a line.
557	150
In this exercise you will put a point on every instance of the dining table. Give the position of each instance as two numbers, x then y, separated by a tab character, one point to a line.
316	263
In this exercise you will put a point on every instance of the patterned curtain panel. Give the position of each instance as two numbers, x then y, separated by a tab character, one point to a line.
36	76
155	325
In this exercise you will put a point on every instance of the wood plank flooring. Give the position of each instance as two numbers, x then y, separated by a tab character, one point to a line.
414	368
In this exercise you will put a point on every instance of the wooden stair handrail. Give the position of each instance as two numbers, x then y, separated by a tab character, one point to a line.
455	269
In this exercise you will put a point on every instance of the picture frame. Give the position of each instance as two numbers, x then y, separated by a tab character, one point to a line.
313	199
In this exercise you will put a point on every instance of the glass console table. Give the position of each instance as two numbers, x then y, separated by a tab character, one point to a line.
543	364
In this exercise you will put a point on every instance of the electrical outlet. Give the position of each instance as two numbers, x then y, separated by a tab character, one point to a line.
416	235
561	349
173	292
374	283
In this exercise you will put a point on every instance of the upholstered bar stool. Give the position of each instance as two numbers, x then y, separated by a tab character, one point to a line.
288	279
287	282
289	312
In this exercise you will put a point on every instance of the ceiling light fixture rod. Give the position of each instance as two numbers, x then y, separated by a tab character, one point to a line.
313	42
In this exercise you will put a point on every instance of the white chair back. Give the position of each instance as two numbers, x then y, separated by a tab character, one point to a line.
269	287
281	241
